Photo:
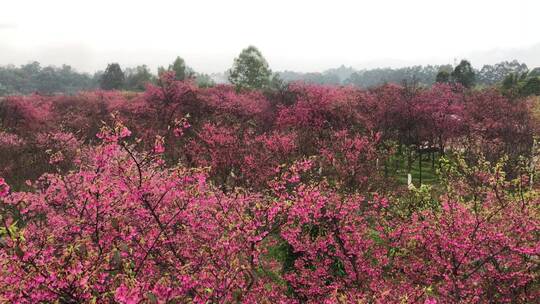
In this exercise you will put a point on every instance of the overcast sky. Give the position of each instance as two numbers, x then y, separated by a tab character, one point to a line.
306	35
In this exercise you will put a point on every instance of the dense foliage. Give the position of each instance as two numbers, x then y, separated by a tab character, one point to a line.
250	70
184	194
113	78
32	77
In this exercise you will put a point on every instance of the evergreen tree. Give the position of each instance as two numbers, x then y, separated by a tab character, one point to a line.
113	77
250	70
531	87
534	73
179	68
442	76
464	74
137	78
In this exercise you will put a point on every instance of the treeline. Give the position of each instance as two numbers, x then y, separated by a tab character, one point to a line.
488	75
32	77
513	77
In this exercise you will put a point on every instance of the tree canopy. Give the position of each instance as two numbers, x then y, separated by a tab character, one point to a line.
113	78
464	74
250	70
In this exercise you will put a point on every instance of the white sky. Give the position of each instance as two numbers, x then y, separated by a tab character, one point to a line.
301	35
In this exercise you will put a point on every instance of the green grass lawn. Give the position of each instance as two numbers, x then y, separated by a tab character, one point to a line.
429	175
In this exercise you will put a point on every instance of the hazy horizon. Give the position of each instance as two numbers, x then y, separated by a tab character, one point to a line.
304	36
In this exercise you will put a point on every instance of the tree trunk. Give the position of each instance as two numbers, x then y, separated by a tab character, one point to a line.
409	160
420	168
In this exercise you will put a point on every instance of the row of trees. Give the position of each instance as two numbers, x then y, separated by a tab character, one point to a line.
414	120
136	79
32	77
219	195
251	70
463	74
524	84
517	81
488	75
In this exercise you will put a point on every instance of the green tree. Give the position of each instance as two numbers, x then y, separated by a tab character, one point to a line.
250	70
464	74
510	84
113	77
204	80
531	86
442	76
179	68
276	83
534	73
493	74
137	78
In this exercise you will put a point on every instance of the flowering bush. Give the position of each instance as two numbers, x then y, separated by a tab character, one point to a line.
190	195
123	227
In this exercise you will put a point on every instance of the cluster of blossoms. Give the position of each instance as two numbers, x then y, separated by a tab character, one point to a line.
179	126
236	132
9	139
4	188
189	195
123	227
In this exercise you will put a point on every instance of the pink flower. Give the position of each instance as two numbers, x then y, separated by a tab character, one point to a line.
178	132
4	188
158	145
125	295
124	132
